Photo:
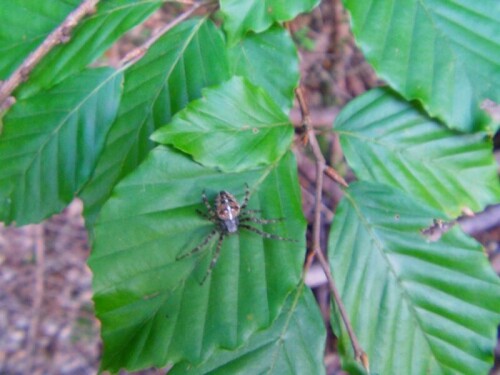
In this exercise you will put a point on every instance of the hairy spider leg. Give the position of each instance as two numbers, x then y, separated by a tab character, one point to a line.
247	197
265	234
258	220
214	258
253	211
213	219
210	210
199	247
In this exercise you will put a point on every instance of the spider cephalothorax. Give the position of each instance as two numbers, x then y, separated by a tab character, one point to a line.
228	216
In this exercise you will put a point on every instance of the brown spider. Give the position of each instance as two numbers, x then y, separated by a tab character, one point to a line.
228	216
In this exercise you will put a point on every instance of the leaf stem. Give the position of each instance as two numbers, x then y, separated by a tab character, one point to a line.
60	35
321	167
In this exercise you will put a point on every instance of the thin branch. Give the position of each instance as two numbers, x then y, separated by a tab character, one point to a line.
335	176
60	35
136	54
320	166
360	355
481	221
321	118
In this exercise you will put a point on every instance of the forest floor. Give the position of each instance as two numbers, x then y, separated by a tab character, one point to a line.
47	323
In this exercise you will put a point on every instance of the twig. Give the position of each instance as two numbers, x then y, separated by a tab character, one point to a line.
335	176
136	54
39	244
324	209
321	118
482	221
320	166
359	354
60	35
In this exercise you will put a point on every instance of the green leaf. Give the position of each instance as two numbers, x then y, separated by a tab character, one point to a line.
50	143
235	126
257	15
446	54
89	41
173	72
152	307
386	139
25	23
294	344
270	61
416	306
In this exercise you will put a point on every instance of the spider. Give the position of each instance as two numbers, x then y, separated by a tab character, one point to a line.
228	216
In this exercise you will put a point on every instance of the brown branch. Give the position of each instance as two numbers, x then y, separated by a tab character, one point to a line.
335	176
321	118
482	221
60	35
136	54
320	167
359	354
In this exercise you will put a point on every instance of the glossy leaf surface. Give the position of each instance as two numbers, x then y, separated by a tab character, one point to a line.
235	126
386	139
416	306
446	54
152	307
188	58
294	344
241	16
51	141
268	60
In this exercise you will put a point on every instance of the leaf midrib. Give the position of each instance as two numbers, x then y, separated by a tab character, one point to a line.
379	246
406	151
56	130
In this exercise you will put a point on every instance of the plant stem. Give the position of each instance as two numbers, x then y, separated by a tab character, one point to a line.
321	168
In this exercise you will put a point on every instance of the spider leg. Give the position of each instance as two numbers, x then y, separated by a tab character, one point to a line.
214	259
259	220
206	216
210	210
199	247
247	197
265	234
252	212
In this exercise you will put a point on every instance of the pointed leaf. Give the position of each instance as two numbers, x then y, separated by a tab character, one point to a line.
446	54
386	139
270	61
186	59
235	126
50	144
294	344
257	15
89	40
151	304
416	306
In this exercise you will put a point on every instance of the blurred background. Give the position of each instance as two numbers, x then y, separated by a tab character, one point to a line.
47	322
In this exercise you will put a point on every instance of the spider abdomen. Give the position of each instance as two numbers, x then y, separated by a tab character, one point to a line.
231	226
228	210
